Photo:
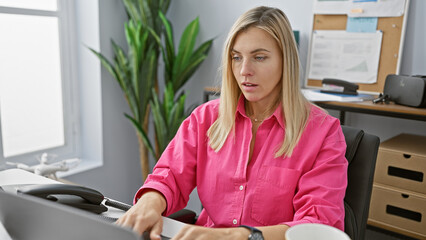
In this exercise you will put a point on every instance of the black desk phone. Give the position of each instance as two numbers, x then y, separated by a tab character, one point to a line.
72	195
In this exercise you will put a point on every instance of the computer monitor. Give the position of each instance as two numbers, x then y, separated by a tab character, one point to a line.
27	217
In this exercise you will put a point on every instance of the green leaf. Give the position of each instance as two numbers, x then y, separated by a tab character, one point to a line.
144	135
186	73
155	7
188	70
177	114
168	100
202	50
168	31
120	57
124	73
132	37
144	12
131	10
108	66
147	77
180	114
155	35
173	116
186	45
164	5
159	122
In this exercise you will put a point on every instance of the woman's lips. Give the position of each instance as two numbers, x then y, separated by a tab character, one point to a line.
248	87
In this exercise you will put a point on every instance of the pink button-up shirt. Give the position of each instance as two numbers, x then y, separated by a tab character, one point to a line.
307	187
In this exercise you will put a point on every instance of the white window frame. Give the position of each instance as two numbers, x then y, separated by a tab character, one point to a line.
80	82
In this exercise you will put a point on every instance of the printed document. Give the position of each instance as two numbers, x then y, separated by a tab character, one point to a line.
353	57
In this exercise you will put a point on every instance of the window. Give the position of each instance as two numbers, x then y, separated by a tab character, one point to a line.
37	110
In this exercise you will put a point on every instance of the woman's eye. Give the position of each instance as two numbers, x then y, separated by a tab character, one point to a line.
236	58
260	58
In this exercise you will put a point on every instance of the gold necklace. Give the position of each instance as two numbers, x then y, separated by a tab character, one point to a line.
257	119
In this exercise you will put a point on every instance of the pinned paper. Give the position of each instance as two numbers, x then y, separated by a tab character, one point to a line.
345	55
361	24
360	8
382	8
357	10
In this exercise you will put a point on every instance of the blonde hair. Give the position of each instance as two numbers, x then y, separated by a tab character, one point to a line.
294	105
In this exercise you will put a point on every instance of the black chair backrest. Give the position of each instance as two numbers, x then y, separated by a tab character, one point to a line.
361	153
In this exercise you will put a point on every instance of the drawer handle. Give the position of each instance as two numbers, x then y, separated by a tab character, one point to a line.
407	156
401	212
405	195
404	173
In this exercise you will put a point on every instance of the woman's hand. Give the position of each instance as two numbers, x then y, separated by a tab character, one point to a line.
145	215
203	233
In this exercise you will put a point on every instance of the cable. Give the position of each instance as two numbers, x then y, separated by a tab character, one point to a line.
117	204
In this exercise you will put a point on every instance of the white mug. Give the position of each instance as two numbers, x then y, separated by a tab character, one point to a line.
315	231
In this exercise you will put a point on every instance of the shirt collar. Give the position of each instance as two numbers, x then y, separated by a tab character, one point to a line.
240	107
278	113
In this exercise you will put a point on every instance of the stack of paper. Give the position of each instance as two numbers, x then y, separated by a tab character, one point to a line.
317	96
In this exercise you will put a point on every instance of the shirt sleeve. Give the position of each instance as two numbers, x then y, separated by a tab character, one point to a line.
321	190
175	172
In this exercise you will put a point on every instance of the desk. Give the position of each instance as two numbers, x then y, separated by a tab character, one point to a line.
383	109
210	91
368	107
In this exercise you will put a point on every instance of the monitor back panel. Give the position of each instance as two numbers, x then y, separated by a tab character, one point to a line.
27	217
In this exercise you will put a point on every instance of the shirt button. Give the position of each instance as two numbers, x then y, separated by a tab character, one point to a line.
235	221
241	187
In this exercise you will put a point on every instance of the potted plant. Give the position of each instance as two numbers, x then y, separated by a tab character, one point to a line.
136	72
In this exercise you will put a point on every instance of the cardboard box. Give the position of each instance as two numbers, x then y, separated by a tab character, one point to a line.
401	163
401	211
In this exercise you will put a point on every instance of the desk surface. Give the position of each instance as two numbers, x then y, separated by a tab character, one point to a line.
388	107
385	109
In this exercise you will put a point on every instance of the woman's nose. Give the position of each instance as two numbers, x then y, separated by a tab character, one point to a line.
246	68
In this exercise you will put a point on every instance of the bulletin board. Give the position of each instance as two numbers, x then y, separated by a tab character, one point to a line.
393	29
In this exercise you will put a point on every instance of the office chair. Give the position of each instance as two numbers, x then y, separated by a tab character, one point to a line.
361	153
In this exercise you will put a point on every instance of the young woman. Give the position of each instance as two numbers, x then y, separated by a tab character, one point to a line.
261	156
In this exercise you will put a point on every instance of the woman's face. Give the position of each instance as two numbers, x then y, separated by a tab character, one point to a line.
257	65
